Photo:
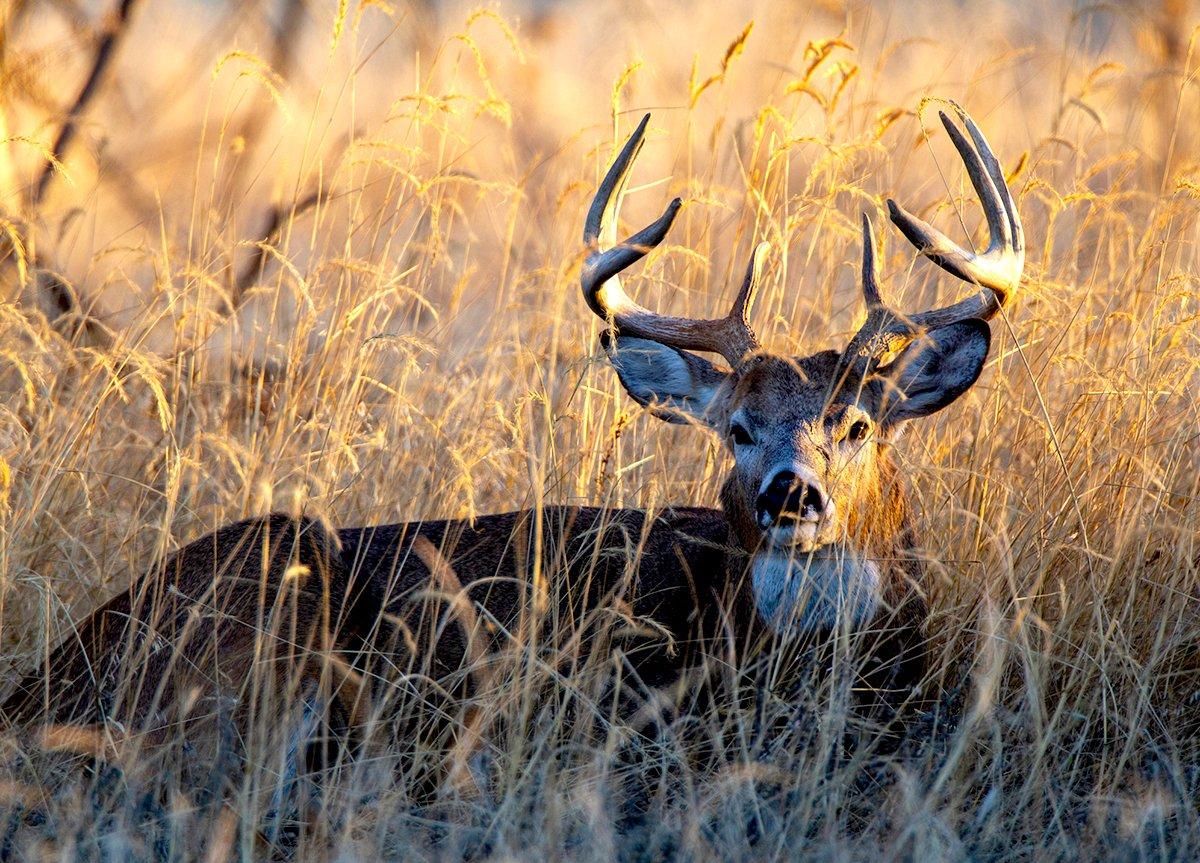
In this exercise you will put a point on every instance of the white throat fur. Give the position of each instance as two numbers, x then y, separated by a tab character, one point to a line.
799	592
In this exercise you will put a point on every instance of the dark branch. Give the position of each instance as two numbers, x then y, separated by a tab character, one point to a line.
105	52
254	269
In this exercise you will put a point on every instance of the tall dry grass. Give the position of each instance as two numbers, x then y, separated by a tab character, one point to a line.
410	343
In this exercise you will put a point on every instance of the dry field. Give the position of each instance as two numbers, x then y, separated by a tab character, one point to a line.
325	257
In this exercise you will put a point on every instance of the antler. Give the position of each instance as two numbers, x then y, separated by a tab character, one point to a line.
996	270
730	336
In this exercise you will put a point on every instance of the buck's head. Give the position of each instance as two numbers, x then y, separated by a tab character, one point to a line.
809	435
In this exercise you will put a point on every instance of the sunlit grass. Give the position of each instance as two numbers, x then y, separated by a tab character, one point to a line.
410	343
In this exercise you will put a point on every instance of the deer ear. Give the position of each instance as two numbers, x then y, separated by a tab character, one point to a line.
676	385
934	371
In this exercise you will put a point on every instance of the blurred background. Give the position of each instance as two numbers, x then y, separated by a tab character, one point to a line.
451	149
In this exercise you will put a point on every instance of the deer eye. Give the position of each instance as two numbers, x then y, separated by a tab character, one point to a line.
857	431
740	436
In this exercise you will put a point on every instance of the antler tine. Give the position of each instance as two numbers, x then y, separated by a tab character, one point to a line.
730	336
996	173
884	329
745	296
996	270
870	282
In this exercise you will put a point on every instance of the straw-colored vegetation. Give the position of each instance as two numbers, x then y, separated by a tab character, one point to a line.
410	343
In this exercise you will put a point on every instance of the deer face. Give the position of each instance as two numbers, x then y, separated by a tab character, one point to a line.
809	436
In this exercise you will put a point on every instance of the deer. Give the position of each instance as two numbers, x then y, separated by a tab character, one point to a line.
814	534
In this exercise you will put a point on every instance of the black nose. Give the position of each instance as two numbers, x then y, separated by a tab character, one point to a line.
789	497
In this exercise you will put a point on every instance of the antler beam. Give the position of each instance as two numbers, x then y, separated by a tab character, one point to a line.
731	336
997	270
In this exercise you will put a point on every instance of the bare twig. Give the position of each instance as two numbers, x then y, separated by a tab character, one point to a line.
61	298
105	52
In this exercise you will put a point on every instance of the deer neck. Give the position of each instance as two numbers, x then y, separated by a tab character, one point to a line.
844	584
824	590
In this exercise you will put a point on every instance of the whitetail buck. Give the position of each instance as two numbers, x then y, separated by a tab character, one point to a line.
813	535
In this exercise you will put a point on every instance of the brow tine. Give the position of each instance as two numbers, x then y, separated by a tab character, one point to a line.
745	295
870	281
985	187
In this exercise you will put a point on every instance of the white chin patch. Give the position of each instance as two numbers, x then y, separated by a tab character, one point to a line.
799	592
799	537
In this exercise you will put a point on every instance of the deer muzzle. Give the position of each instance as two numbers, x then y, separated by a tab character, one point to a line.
793	510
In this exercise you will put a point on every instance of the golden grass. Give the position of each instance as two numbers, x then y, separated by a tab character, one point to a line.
413	345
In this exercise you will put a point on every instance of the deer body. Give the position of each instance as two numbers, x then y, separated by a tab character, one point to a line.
608	558
813	536
681	570
363	582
